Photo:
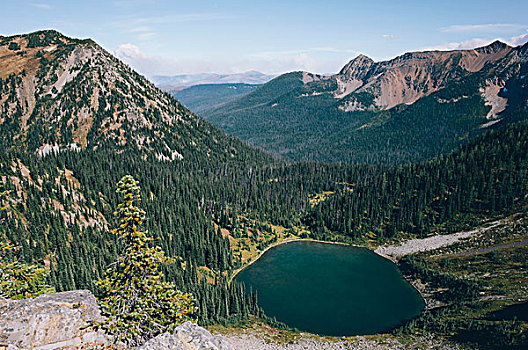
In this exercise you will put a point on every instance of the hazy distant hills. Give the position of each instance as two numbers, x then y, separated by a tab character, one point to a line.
176	82
206	99
200	98
409	108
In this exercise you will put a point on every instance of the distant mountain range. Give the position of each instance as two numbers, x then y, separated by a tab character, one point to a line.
175	82
200	98
412	107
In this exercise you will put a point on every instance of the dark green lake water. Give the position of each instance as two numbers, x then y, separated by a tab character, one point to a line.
331	289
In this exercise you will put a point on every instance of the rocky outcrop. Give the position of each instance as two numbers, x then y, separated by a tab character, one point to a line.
50	321
187	336
409	77
61	321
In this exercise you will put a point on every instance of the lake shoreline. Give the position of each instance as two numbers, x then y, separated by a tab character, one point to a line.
392	252
276	244
296	239
393	259
433	242
338	277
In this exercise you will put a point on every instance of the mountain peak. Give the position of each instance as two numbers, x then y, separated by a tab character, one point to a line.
360	62
359	59
65	94
495	46
361	56
49	32
88	71
26	45
499	44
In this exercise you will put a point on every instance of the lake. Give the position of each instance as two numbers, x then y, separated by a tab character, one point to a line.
331	289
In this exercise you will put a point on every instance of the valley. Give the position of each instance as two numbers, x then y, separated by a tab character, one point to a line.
204	97
75	120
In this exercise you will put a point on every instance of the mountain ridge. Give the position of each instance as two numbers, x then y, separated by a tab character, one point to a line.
367	100
416	67
208	96
63	93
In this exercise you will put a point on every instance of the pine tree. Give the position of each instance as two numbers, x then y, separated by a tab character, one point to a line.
137	302
18	280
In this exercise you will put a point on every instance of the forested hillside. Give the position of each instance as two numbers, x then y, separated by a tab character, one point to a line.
60	93
200	98
486	176
411	108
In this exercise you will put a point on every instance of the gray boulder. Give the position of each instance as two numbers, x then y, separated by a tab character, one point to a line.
61	321
187	336
50	321
162	341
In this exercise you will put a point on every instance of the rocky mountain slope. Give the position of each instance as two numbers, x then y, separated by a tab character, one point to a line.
60	93
407	78
412	107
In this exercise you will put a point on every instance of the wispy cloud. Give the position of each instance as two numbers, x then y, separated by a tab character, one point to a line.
482	28
147	28
41	5
138	29
520	40
186	17
147	36
154	65
331	49
282	53
478	42
389	36
133	3
268	62
142	32
464	45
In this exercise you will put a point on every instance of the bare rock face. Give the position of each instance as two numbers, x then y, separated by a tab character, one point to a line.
187	336
50	321
61	321
409	77
165	341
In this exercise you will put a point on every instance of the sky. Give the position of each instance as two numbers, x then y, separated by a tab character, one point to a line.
159	37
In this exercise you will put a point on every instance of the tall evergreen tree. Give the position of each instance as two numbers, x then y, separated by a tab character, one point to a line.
137	302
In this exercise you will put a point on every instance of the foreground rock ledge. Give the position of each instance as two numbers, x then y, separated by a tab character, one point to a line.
60	320
188	336
50	321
